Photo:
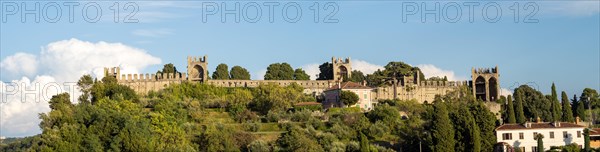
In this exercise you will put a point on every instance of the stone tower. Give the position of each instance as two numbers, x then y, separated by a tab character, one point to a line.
113	72
486	83
197	68
342	69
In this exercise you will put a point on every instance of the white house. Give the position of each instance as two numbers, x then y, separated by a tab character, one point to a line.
332	96
555	134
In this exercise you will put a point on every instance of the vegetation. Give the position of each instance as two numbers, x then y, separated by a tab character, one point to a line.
300	74
239	73
357	76
168	68
199	117
279	71
221	73
325	71
349	98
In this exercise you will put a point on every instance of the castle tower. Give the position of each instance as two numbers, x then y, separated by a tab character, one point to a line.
113	72
197	68
486	83
342	69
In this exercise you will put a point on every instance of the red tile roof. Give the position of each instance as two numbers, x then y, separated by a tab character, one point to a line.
538	126
349	85
595	132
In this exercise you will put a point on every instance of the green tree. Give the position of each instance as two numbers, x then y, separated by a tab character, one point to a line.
442	130
580	109
556	106
222	72
467	132
300	74
349	98
364	143
486	121
511	110
168	68
279	71
540	142
326	71
586	137
85	84
520	115
395	70
535	104
592	95
357	76
567	113
239	73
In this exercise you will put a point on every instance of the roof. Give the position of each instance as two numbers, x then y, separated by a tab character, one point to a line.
595	132
543	125
348	85
307	103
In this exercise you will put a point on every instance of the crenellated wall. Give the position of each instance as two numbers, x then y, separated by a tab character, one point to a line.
142	83
425	92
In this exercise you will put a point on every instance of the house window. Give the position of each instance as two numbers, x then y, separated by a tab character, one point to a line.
534	149
578	134
507	136
521	136
534	134
552	135
365	96
565	135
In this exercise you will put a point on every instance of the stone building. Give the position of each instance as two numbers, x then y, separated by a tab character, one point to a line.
485	82
365	101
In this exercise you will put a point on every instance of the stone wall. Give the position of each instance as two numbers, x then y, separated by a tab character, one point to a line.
426	91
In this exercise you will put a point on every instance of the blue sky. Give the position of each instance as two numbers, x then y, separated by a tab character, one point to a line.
562	47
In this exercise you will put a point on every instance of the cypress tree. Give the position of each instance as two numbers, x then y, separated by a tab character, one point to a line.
540	142
586	138
567	113
511	110
580	111
467	132
555	104
519	109
364	143
443	132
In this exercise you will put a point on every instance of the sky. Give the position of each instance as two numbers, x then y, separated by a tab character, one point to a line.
48	46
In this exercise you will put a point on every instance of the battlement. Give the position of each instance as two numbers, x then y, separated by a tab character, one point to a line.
485	70
192	59
340	60
152	77
443	83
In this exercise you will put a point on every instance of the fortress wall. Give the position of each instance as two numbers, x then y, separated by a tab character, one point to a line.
310	86
426	91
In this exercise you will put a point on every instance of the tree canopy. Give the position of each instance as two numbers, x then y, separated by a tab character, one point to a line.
221	73
279	71
239	73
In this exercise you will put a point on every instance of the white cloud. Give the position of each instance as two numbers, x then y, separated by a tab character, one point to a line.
505	92
19	64
430	70
59	63
69	59
312	70
152	32
365	67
